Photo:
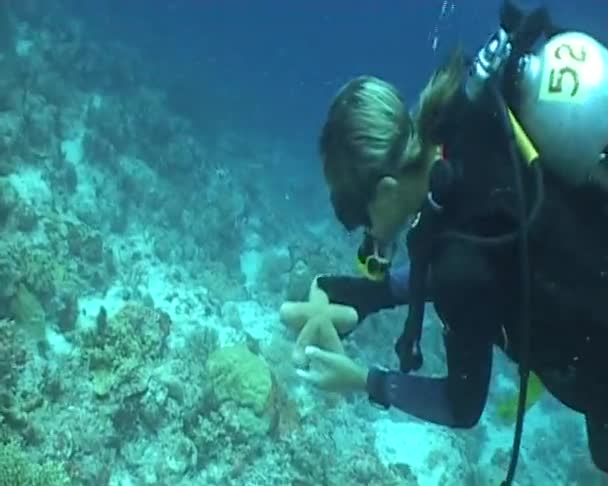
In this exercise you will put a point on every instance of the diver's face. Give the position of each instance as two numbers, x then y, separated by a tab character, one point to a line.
395	202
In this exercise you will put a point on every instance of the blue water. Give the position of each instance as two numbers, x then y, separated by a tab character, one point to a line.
277	63
179	194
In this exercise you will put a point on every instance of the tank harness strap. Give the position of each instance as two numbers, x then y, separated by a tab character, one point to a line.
429	224
419	238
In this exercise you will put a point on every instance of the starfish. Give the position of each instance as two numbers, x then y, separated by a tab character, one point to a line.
318	322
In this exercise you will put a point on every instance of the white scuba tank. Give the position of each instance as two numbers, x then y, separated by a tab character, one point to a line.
563	105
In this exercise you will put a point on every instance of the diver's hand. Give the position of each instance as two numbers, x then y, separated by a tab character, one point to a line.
333	372
318	322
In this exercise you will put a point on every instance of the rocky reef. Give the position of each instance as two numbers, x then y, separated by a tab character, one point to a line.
141	270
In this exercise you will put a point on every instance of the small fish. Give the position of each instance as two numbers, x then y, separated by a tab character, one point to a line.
507	408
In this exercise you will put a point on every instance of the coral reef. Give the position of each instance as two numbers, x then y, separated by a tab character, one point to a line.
142	261
17	470
118	350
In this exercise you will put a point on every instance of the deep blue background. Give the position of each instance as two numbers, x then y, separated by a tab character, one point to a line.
270	67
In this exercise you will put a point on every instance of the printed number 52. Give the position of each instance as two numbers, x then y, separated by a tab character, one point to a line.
557	78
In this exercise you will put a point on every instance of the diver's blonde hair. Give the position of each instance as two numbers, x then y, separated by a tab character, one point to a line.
432	108
365	132
369	133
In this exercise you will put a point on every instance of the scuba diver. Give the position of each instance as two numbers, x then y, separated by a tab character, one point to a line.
501	173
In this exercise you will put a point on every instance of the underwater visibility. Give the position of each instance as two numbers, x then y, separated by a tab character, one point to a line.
303	243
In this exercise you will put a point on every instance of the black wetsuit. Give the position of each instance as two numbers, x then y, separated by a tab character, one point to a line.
475	291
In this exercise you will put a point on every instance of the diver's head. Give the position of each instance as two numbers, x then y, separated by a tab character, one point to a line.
373	179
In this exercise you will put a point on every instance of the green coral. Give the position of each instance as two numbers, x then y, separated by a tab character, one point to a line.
239	376
242	405
16	469
38	269
130	340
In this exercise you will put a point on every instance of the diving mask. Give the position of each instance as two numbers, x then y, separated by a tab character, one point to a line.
374	258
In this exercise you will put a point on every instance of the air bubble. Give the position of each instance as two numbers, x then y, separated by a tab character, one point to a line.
447	9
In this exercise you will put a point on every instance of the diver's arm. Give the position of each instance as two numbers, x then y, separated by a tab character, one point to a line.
455	401
466	293
365	295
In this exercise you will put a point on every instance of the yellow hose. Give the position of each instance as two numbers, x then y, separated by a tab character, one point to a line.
525	145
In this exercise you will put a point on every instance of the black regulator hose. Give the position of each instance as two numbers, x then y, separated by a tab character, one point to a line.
524	259
520	236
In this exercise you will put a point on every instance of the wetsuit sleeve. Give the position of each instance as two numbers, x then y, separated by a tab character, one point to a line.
455	401
365	295
463	286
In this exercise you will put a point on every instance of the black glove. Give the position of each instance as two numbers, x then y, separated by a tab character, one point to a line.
365	295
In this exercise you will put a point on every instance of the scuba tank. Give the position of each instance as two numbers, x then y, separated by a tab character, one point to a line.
562	104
